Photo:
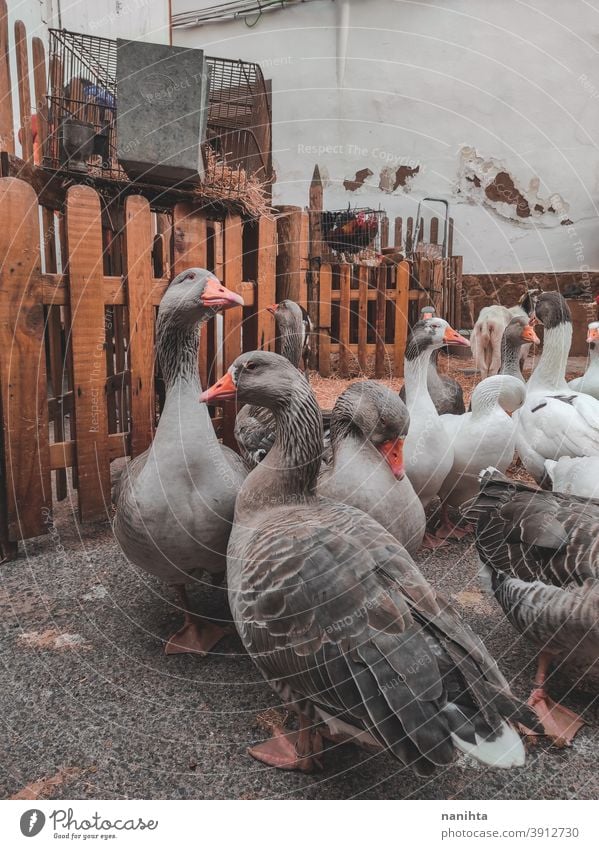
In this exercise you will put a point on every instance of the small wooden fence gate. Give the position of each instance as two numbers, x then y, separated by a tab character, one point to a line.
77	351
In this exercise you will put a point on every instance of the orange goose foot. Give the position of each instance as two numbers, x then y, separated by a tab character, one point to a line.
450	531
560	723
197	636
432	541
293	750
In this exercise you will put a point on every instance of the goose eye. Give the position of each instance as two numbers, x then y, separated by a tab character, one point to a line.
250	366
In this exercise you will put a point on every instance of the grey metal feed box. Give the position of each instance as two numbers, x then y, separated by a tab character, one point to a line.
162	111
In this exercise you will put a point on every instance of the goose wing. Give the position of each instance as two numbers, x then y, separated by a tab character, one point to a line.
335	612
535	535
561	424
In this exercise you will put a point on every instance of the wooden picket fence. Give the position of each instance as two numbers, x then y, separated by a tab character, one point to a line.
363	318
77	348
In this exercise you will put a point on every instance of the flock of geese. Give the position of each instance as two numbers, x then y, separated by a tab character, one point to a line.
316	523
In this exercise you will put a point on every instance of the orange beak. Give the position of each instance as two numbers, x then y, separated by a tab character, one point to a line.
392	451
223	390
452	337
528	335
593	334
217	295
273	308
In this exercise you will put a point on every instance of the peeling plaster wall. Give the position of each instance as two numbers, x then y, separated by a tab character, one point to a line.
429	95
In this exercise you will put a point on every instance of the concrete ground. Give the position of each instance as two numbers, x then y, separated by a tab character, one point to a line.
92	708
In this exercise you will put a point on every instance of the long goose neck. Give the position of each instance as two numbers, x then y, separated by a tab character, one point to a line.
551	370
416	375
433	377
483	402
177	348
289	472
343	427
291	345
510	358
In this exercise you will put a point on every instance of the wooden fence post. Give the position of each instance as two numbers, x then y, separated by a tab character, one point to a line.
23	384
324	345
232	319
24	90
402	282
88	337
265	293
380	324
363	272
190	251
344	309
289	254
7	131
138	267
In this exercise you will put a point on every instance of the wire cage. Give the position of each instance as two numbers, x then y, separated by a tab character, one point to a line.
83	101
355	233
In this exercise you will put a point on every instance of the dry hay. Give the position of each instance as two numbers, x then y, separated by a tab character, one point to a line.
224	184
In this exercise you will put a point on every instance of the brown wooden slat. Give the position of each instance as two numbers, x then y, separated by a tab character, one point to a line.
409	234
384	232
398	232
138	263
325	279
402	283
266	288
450	238
23	89
40	87
434	231
457	262
362	316
345	294
232	279
190	251
289	254
84	243
23	364
63	455
7	137
381	291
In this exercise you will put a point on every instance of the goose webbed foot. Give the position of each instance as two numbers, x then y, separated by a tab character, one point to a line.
431	541
450	530
293	750
559	723
197	636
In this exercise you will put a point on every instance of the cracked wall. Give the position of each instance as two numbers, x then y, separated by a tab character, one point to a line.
488	182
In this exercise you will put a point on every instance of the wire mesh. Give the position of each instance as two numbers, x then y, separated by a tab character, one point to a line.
354	233
83	101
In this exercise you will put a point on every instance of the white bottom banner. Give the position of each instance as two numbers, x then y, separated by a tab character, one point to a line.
294	825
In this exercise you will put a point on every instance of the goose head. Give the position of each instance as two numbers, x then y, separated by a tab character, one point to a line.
550	309
431	334
519	332
288	315
502	389
374	413
593	334
257	377
196	295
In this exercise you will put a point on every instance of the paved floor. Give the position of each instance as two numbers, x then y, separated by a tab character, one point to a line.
91	707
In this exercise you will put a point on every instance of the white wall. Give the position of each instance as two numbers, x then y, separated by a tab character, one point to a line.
462	88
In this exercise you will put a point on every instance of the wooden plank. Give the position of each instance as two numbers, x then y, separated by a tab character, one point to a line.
24	91
384	232
402	287
266	283
409	234
23	384
362	316
63	455
457	262
84	245
325	280
54	338
345	294
40	87
7	131
434	231
381	290
190	251
398	232
450	238
138	265
304	248
232	318
289	268
164	227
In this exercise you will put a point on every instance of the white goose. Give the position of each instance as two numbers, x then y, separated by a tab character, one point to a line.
427	452
484	437
555	421
589	382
